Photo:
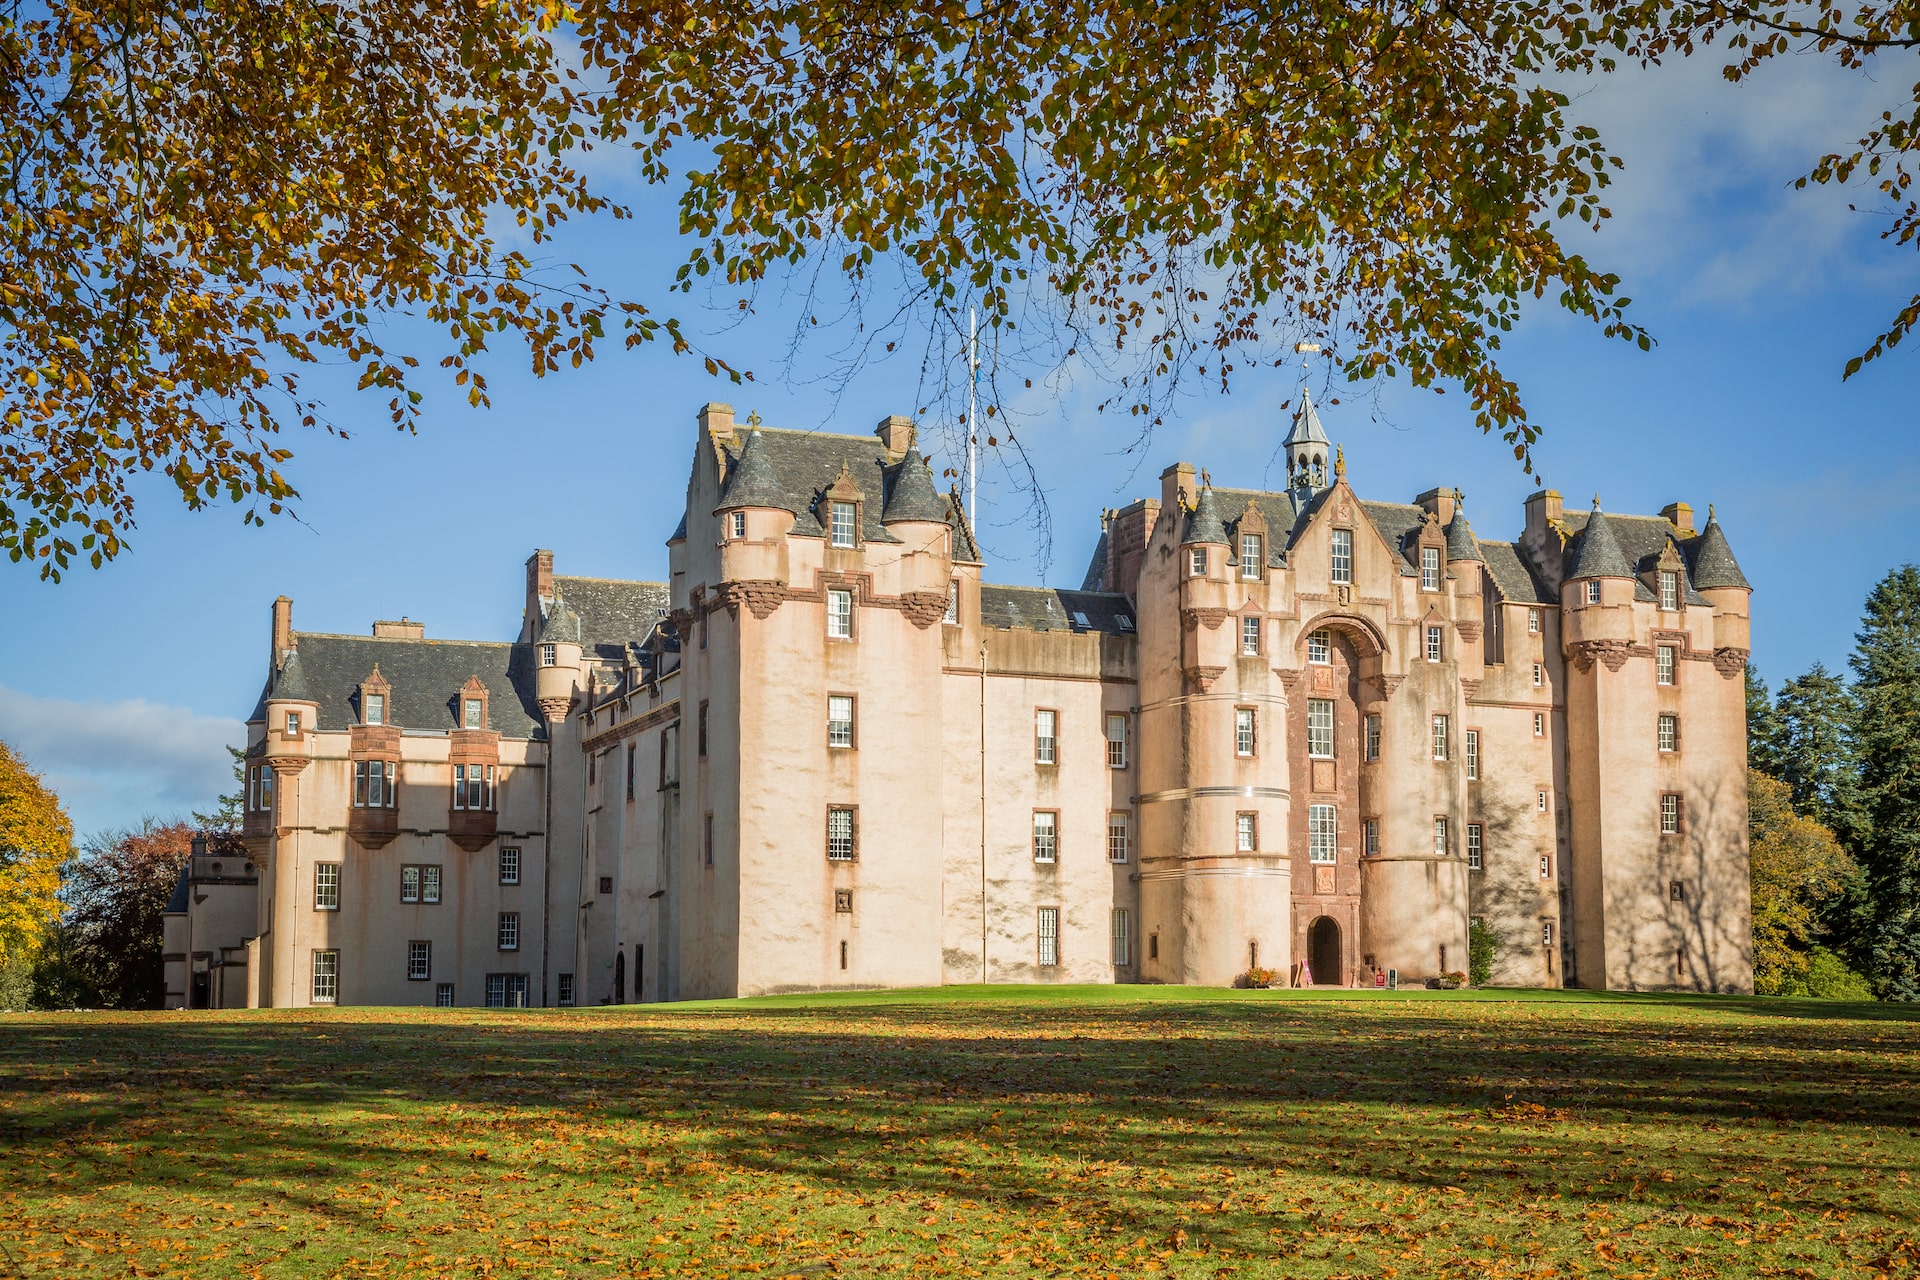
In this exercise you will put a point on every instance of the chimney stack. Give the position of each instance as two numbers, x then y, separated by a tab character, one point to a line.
1442	502
1680	515
282	628
405	629
716	419
1542	508
896	433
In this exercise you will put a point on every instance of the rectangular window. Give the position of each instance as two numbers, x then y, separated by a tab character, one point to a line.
1049	930
1342	566
839	614
1250	557
843	902
506	991
509	931
1320	728
1244	740
701	727
1046	742
473	716
706	839
1546	934
1473	846
473	787
669	756
1250	636
1669	590
374	709
1373	737
443	995
737	523
419	961
1122	938
1247	832
1533	622
1539	675
1197	562
1669	732
1116	740
1676	891
326	977
293	724
360	783
1473	755
373	784
260	788
1542	801
565	993
409	884
1046	835
1546	866
953	604
326	886
1669	815
509	866
1663	664
430	884
633	752
839	720
1119	836
1440	843
1433	644
1320	833
1539	724
606	884
549	655
1440	743
1593	591
840	847
1370	836
1429	568
843	524
1319	648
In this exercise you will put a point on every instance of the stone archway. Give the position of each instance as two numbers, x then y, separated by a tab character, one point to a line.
1323	951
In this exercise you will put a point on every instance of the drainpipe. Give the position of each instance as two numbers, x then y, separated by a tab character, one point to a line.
546	866
983	808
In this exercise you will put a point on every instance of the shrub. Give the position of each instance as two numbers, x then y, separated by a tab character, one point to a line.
1483	944
1823	976
1256	977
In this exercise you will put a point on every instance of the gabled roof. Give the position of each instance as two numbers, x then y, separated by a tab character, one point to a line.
1514	575
426	676
801	465
614	613
1047	609
1203	522
1597	552
1711	559
910	491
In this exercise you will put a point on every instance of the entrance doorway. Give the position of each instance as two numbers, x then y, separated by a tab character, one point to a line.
1323	951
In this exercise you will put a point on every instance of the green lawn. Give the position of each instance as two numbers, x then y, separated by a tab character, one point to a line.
963	1132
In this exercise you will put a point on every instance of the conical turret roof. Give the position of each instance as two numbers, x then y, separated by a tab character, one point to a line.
290	682
1461	544
752	482
562	625
1203	522
911	495
1306	424
1713	562
1598	554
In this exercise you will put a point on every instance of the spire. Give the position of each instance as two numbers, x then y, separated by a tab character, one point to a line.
912	495
751	483
290	684
562	625
1598	554
1461	544
1204	523
1713	562
1307	447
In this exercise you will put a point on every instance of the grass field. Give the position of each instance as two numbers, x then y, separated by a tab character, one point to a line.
963	1132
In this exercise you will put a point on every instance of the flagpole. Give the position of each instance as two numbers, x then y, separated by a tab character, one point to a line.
973	429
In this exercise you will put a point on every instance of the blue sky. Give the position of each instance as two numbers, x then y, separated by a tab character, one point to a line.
122	685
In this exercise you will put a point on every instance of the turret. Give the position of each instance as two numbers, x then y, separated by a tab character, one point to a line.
1599	583
1307	449
914	512
1717	576
558	650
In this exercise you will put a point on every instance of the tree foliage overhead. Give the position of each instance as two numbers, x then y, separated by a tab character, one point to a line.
36	837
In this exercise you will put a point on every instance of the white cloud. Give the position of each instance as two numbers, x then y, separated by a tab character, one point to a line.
113	763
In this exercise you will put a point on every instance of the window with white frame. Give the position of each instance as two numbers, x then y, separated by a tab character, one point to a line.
549	655
1440	740
1320	728
1669	731
840	847
1250	636
1593	591
1319	648
1370	837
260	788
1546	866
1542	801
293	724
1663	664
1546	934
1046	740
326	977
1533	622
419	961
1433	644
953	604
1474	854
473	713
1340	569
1246	828
1669	590
1046	835
373	708
506	991
1197	562
473	787
1244	739
839	613
1372	749
1539	724
1048	927
1116	740
1119	836
1321	833
509	865
1441	831
842	518
430	883
1669	815
1429	568
1473	755
443	995
509	931
839	720
1251	559
326	886
1539	675
373	784
410	884
737	524
1122	937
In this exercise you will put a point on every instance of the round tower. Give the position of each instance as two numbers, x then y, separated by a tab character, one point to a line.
558	652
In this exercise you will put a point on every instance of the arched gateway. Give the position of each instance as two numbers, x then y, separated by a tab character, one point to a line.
1323	951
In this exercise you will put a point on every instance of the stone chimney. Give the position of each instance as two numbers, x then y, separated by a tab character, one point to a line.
1442	502
539	587
896	433
1176	488
716	419
1680	515
405	628
282	628
1542	508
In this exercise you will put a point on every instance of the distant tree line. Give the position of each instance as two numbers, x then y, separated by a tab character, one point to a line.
1834	800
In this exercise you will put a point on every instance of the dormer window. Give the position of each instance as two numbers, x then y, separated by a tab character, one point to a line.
1429	568
1669	590
373	709
841	515
1197	562
1251	556
549	655
473	713
1341	566
737	523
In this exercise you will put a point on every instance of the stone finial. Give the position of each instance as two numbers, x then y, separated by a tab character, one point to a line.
1339	463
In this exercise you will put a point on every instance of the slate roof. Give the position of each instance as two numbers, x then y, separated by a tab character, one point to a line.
1306	424
910	491
1400	524
751	482
1711	562
965	549
1597	553
291	680
426	677
1279	511
803	464
1639	541
614	613
1047	609
1095	576
562	624
1203	522
1461	544
1514	576
177	903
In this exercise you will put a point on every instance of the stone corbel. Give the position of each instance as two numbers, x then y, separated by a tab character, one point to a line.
1204	676
1469	631
1614	653
923	608
1470	689
1387	684
288	766
1209	617
1729	662
761	597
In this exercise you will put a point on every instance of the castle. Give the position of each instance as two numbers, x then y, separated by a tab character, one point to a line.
1299	730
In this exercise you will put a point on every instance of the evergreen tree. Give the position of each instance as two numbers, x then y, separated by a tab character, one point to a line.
1763	726
1886	666
1813	750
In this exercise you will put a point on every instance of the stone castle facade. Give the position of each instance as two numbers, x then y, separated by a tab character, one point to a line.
1300	730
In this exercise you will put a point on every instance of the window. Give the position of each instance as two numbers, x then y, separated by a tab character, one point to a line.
1197	562
473	787
1049	930
1373	737
1676	891
842	517
293	724
1244	740
1669	590
1080	619
565	993
1370	835
839	720
1593	591
706	839
1046	743
1247	832
843	902
1433	644
839	614
737	524
1669	732
506	991
373	709
549	655
953	604
1539	724
326	886
1663	664
1153	946
1439	737
1119	836
1541	801
1546	934
669	757
1539	675
326	977
1250	636
1669	815
1122	937
1473	846
373	784
1440	833
1116	740
1319	648
1546	866
843	954
509	931
1429	568
509	866
633	750
1473	755
700	727
443	995
1533	622
1342	565
260	788
419	961
430	884
1320	833
606	884
1320	728
840	846
1046	835
1124	621
472	713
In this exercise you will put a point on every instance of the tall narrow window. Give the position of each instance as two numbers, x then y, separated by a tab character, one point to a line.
839	720
1669	590
1122	938
443	995
1320	833
1440	830
839	613
1250	636
1247	832
509	865
419	961
1046	743
1244	740
1370	837
326	977
410	884
633	752
1046	835
1116	740
1373	737
326	886
1119	836
1342	566
1539	724
293	724
1593	591
1546	866
1429	568
430	883
509	931
1542	801
1433	644
564	988
472	716
953	604
840	835
842	515
1320	728
373	708
1251	560
1539	675
1473	846
706	839
1473	755
1669	815
1669	732
701	726
1533	622
1663	664
1440	743
1319	648
1197	562
1546	934
737	524
1049	931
